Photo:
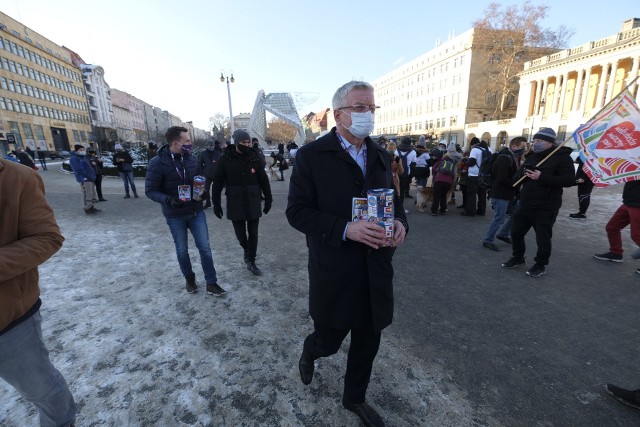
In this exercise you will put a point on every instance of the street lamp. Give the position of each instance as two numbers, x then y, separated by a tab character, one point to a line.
222	79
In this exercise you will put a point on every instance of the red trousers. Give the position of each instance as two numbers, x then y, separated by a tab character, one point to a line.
624	216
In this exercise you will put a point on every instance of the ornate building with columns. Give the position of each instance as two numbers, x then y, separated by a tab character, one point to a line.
565	89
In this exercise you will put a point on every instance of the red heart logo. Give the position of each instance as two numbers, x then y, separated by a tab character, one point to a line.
622	136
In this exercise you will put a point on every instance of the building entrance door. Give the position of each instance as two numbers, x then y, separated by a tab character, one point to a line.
60	139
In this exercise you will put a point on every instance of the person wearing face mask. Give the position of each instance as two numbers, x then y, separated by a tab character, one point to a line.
85	175
169	181
350	265
241	173
540	199
207	161
122	159
502	192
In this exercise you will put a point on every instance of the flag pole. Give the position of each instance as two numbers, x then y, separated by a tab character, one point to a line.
571	137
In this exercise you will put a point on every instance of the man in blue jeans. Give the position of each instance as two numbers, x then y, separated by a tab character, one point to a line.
122	159
169	182
502	192
28	237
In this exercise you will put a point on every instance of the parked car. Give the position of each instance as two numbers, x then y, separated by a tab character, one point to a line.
59	155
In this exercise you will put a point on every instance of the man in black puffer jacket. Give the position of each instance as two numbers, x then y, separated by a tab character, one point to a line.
207	162
168	182
540	199
241	171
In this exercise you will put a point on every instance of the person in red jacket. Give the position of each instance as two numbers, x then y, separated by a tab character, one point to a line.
28	237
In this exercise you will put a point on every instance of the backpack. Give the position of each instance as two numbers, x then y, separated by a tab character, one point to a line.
405	166
485	180
447	167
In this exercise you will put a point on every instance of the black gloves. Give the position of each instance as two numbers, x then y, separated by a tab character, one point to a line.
217	211
267	207
176	203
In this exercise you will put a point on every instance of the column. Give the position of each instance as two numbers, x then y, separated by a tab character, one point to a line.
578	91
556	95
612	80
585	90
601	85
563	93
633	74
536	99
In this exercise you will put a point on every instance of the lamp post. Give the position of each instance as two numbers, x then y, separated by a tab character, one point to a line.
229	79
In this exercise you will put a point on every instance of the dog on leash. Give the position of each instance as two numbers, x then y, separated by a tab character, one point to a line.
424	195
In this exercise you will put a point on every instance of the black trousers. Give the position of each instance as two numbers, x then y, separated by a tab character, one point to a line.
43	163
584	195
463	190
542	221
247	235
476	202
405	184
440	190
365	342
99	186
208	182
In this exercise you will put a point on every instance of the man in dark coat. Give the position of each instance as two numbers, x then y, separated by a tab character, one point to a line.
169	182
540	199
124	162
502	192
350	269
241	172
207	162
42	156
24	158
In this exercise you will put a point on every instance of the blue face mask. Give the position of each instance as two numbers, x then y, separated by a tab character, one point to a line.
539	146
362	124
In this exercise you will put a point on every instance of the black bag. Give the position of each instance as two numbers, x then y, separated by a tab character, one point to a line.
447	167
405	166
284	165
485	178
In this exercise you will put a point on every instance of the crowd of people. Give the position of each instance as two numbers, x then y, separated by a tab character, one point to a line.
350	262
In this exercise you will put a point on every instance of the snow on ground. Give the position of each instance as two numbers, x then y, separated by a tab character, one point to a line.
137	350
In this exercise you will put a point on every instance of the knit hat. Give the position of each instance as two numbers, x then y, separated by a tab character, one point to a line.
422	142
118	147
240	135
546	134
78	147
452	147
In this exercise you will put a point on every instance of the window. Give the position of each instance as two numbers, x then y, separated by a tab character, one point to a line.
28	133
30	109
21	51
76	136
3	104
16	131
14	48
12	65
32	73
1	43
39	132
18	88
12	88
3	82
562	133
42	110
9	104
23	107
5	63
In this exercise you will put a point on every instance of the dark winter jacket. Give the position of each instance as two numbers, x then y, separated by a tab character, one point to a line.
82	168
244	180
503	171
96	163
122	155
164	174
207	161
25	159
631	194
350	284
556	172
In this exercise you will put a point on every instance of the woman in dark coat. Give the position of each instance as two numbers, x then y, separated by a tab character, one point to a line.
240	171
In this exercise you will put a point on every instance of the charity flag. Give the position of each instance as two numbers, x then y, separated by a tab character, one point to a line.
610	142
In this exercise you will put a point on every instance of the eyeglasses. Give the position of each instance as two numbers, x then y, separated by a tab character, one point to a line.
361	108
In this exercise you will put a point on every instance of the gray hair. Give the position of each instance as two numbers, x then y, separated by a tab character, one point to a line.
341	94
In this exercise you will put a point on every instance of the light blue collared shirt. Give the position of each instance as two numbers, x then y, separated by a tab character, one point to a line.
360	157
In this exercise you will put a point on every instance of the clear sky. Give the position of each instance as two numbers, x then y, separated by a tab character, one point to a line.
170	53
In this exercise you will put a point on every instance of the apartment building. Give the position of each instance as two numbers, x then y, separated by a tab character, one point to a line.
43	103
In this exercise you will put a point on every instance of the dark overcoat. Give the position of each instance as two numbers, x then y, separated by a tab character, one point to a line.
350	284
244	179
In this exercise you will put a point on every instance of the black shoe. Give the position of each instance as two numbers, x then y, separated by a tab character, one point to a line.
491	245
628	397
136	196
578	216
253	268
513	262
127	196
507	240
608	256
94	210
90	211
305	366
536	271
191	285
215	289
102	200
368	415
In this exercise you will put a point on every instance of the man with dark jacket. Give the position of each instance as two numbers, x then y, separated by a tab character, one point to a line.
502	192
28	237
42	157
476	200
627	214
540	199
24	158
350	268
240	171
169	182
124	162
207	162
85	175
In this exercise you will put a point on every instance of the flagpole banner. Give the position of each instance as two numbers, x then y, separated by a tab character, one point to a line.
610	143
